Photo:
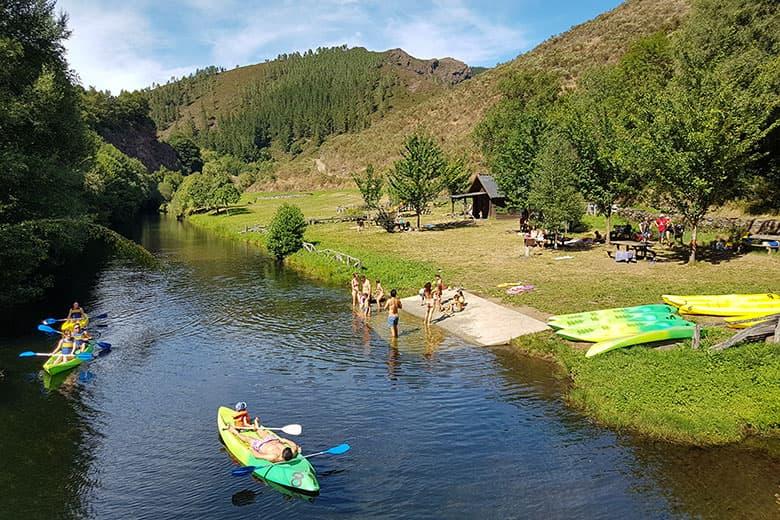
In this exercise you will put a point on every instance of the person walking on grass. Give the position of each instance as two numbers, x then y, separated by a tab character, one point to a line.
393	305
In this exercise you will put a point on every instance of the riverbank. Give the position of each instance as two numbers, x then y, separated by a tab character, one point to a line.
680	395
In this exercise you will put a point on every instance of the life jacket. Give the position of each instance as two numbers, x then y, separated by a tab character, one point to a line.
241	418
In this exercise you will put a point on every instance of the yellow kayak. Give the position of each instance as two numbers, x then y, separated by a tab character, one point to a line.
720	299
755	319
732	309
67	326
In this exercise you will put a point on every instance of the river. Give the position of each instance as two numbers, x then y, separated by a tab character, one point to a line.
438	428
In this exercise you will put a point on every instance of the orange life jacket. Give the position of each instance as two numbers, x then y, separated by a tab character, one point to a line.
242	418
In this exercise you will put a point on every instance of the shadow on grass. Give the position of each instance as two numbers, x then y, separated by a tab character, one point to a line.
681	254
443	226
230	212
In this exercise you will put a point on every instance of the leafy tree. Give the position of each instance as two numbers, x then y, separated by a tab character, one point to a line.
554	190
511	134
224	194
285	233
117	185
168	183
370	185
187	152
705	130
43	140
416	179
456	178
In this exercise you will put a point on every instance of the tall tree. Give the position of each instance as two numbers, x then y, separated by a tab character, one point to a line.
416	179
285	232
370	185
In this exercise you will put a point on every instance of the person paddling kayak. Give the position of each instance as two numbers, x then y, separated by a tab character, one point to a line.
242	420
64	350
268	446
80	338
75	315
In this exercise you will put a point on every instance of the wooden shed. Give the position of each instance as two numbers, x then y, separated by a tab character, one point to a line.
485	195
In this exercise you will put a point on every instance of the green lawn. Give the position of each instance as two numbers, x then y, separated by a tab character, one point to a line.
681	395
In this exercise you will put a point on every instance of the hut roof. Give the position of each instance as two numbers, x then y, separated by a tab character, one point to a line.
490	186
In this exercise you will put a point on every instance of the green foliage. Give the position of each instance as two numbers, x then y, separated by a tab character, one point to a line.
553	189
42	136
102	111
304	97
168	182
416	179
188	153
210	189
285	232
166	100
370	185
511	133
117	185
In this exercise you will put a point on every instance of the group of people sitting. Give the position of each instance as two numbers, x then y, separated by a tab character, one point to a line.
432	295
75	339
264	444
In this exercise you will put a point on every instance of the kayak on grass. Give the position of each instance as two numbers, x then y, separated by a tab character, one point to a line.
604	319
297	473
732	309
53	368
640	339
654	308
719	299
620	329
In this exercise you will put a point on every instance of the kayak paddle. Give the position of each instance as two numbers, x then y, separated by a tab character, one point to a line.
290	429
52	321
84	356
335	450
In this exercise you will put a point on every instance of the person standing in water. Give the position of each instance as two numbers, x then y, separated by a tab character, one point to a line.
379	295
355	289
393	305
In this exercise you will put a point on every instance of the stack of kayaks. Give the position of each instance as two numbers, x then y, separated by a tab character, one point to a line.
296	474
733	307
611	329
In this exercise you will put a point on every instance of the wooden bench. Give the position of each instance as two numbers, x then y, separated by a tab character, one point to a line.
764	233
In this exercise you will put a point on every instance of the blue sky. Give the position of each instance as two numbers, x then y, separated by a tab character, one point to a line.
119	44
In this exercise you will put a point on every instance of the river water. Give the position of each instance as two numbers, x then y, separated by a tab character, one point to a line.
438	428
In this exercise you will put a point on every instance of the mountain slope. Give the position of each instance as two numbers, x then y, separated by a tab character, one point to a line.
452	115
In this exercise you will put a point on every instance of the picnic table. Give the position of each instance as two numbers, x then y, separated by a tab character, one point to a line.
643	250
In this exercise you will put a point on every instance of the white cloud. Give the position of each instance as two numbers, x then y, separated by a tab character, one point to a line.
114	47
118	45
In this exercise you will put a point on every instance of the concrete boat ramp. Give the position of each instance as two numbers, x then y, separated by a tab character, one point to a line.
482	322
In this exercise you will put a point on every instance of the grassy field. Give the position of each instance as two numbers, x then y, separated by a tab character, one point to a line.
681	395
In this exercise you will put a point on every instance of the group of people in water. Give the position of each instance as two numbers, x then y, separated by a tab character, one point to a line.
363	295
74	338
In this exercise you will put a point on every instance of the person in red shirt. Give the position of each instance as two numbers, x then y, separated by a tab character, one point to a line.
663	223
242	420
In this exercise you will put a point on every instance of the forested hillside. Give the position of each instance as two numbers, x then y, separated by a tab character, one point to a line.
296	100
452	115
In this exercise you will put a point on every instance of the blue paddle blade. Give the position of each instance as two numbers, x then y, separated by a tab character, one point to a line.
29	353
338	450
246	470
85	356
100	316
101	325
49	321
103	344
47	329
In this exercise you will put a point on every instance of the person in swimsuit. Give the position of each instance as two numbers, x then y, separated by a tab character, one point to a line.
242	420
379	296
392	306
365	305
428	301
75	313
80	338
64	349
458	303
355	289
366	286
268	446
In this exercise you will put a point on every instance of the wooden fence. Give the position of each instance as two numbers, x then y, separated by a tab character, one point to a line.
336	255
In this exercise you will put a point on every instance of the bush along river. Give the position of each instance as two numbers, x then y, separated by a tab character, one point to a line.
438	428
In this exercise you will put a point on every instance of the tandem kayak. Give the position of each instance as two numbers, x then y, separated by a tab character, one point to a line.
52	368
297	474
639	339
655	308
603	319
67	326
720	300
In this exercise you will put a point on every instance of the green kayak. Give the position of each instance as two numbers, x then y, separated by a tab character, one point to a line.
297	474
620	329
639	339
52	368
639	309
608	319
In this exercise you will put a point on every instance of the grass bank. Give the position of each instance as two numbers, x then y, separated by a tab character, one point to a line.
680	395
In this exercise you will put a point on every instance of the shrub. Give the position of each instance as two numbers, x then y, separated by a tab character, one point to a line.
285	233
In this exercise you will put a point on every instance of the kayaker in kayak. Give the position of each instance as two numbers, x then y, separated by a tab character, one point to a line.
64	350
269	446
76	313
242	420
80	338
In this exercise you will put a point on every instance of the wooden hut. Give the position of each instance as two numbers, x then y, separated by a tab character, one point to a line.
485	196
